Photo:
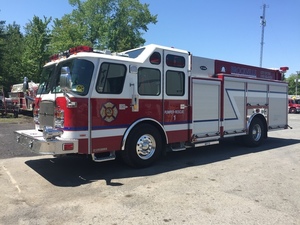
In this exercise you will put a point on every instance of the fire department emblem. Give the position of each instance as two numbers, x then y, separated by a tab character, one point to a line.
108	112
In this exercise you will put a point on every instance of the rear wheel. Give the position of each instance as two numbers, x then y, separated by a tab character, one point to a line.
256	133
143	146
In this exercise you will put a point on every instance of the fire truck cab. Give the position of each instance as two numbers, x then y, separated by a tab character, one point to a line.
294	105
144	101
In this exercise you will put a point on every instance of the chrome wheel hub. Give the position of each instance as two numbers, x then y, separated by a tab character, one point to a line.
256	132
145	146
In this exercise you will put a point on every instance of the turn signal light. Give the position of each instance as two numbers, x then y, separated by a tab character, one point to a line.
68	146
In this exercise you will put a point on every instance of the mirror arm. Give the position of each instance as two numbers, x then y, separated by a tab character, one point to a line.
70	104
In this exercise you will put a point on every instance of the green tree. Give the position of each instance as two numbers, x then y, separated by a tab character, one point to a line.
129	21
12	55
36	53
66	34
106	24
2	41
292	84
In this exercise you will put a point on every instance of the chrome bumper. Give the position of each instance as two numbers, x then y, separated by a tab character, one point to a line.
34	141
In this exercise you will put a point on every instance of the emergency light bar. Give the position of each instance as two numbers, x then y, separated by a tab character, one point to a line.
75	50
71	51
80	49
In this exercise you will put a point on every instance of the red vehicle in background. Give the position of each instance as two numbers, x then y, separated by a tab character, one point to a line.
23	95
6	105
294	105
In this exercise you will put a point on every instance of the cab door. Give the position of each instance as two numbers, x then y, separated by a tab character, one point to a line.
175	95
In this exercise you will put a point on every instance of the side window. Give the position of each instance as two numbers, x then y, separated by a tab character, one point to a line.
155	58
175	61
111	78
82	72
149	81
175	83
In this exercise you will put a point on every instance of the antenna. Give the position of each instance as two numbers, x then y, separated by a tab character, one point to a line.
263	23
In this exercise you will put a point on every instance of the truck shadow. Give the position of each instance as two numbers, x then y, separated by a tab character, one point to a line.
72	171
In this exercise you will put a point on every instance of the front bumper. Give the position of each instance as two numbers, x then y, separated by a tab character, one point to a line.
34	141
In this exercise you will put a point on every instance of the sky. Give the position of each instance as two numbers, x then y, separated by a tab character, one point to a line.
228	30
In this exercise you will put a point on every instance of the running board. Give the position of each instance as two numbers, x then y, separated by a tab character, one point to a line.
200	144
178	149
97	157
193	145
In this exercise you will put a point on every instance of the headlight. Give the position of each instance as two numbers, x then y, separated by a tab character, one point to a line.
59	118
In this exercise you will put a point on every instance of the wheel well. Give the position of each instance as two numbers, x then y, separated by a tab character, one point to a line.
152	122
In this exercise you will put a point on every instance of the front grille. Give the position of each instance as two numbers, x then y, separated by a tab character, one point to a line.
46	113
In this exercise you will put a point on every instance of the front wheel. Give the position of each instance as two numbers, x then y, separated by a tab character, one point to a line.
292	110
143	146
256	133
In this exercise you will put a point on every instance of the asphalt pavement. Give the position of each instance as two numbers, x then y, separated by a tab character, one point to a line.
9	147
221	184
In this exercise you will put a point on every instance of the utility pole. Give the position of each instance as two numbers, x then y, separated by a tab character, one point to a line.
263	23
296	81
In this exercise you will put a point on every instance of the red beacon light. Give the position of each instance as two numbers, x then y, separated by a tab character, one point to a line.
283	69
54	57
80	49
71	51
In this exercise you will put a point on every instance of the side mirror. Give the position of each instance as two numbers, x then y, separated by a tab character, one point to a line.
65	79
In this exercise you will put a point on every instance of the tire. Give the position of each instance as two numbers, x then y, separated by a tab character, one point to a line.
256	134
16	114
143	146
292	110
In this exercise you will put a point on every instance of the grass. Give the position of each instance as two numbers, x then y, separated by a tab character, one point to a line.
9	118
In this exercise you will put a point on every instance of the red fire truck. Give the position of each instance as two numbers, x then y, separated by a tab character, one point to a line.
22	95
6	105
294	105
142	102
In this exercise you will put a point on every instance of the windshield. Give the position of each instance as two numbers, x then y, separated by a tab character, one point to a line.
47	73
81	73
